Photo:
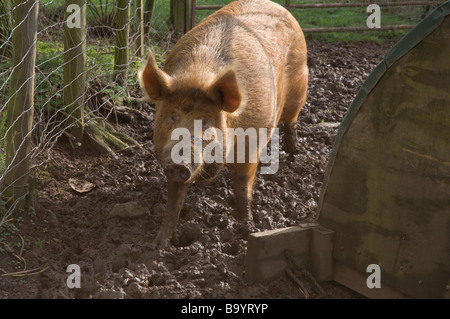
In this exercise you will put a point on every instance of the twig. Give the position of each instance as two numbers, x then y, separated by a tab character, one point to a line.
23	244
314	281
304	206
55	162
25	272
300	285
131	146
303	272
8	220
10	250
70	138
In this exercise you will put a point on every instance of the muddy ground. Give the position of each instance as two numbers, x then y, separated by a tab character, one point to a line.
206	257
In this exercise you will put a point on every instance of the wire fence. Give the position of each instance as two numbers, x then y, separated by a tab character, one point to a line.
57	80
335	16
65	69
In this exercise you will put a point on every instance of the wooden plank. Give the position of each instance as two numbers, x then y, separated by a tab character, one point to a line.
321	253
265	259
364	5
289	6
356	281
339	5
354	29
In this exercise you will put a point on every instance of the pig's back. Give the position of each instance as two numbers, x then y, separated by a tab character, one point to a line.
255	36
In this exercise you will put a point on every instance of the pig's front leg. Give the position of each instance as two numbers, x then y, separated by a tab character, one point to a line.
176	193
290	139
244	176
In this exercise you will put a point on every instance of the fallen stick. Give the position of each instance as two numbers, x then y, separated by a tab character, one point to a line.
300	285
25	272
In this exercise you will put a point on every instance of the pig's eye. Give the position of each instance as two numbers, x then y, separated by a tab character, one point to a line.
205	122
173	118
187	108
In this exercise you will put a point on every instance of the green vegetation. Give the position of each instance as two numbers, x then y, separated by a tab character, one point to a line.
5	27
101	11
342	17
5	48
8	229
49	73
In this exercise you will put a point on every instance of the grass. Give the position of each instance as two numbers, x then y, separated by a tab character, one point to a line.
341	17
49	65
94	6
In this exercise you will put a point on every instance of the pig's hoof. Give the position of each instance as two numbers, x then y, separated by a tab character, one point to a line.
291	148
161	241
245	228
177	172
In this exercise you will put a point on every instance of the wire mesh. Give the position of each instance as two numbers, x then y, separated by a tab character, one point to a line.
338	15
101	94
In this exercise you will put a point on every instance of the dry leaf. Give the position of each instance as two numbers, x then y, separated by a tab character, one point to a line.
80	186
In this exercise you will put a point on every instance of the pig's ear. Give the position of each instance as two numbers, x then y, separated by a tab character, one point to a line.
225	91
154	81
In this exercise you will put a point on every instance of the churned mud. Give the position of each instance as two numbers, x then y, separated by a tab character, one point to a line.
77	219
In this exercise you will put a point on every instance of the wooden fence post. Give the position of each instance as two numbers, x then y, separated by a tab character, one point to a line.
180	15
122	39
20	105
140	40
74	77
149	8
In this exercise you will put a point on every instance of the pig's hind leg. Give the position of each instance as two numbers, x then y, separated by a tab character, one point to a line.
295	99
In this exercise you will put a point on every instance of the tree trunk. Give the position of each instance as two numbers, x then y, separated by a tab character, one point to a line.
74	76
122	40
20	107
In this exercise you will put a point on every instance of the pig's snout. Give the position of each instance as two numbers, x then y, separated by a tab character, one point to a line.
177	172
